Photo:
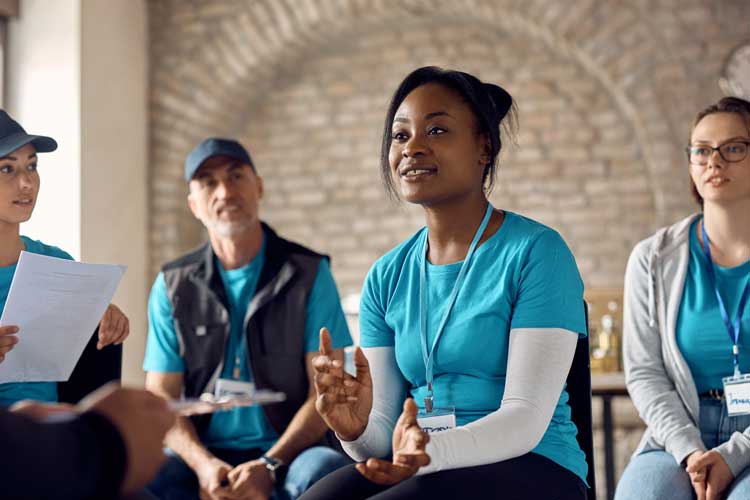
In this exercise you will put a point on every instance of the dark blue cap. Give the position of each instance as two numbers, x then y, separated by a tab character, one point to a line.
13	136
215	146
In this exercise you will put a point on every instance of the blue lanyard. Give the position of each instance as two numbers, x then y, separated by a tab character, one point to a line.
239	356
429	358
733	327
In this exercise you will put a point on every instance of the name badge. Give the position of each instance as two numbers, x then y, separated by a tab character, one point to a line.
439	419
737	394
233	388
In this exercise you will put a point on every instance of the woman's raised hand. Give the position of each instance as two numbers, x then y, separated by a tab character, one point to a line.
343	401
409	451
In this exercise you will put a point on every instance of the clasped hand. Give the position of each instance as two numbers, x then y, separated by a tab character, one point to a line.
247	481
709	474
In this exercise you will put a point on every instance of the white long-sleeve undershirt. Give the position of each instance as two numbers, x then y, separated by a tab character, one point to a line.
538	363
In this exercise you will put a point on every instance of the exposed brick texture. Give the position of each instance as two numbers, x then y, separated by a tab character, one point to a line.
606	90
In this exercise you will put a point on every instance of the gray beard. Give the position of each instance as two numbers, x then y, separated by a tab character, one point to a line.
227	229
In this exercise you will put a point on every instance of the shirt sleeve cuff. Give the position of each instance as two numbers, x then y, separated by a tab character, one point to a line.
361	448
682	445
736	452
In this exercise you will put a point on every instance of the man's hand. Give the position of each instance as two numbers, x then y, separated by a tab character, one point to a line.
718	476
113	328
344	402
142	419
409	443
7	339
250	481
212	479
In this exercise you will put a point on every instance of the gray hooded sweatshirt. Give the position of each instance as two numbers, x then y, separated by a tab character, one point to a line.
658	377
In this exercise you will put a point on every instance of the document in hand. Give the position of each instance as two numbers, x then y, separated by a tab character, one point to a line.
56	304
207	403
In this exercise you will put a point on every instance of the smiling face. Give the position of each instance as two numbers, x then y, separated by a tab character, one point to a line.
437	154
720	181
224	196
19	185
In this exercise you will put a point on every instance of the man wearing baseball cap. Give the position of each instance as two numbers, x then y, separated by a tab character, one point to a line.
241	312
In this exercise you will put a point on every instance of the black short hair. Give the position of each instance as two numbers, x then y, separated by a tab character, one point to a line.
492	105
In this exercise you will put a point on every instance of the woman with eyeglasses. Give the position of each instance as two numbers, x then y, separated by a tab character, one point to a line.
687	327
19	190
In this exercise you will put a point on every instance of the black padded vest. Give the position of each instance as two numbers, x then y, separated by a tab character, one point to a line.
274	323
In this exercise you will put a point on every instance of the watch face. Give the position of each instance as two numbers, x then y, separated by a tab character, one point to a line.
736	78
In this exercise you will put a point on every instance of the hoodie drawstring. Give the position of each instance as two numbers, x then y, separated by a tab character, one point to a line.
658	241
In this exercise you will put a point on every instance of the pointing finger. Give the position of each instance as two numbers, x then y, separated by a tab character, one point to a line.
326	348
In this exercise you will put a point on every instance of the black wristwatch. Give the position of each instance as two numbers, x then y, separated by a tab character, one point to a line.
274	466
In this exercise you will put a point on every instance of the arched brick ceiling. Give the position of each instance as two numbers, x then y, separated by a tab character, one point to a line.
217	61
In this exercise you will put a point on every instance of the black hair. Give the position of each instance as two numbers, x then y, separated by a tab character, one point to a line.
734	105
492	105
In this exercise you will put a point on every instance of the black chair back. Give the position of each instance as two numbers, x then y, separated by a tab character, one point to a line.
579	392
94	369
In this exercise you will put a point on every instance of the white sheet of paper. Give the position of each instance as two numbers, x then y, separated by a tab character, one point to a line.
56	304
208	403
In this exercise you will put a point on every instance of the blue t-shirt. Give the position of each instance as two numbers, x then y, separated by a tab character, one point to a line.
523	276
242	428
16	391
701	334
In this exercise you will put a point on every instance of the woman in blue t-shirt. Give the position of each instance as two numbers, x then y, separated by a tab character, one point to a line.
686	325
468	328
19	188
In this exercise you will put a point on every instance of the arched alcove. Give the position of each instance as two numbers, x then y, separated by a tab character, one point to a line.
601	90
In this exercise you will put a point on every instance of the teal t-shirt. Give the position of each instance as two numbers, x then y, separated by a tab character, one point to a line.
242	428
16	391
701	334
523	276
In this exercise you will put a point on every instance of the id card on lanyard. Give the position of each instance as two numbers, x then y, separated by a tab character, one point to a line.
235	387
737	394
431	418
736	387
227	388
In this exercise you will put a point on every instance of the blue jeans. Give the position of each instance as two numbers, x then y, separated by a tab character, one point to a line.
177	481
656	475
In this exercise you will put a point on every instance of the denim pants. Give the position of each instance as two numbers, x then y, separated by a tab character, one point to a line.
176	481
656	475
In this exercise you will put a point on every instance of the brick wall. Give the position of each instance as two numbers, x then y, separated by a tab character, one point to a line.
606	91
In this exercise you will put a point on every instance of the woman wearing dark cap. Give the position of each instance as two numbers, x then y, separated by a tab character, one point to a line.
475	317
19	188
686	327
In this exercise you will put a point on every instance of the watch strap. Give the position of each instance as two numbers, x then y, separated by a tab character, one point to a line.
273	465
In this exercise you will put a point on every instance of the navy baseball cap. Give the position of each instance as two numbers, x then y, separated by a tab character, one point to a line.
13	136
215	146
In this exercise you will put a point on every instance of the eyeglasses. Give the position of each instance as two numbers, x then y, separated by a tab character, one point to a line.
731	152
